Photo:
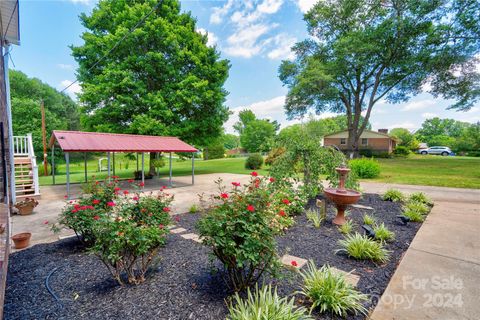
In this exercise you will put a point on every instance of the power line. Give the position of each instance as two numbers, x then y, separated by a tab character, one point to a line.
118	42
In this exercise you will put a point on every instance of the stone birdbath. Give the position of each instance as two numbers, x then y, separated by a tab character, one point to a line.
342	197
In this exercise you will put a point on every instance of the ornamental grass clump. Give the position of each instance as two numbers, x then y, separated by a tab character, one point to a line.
314	217
421	198
369	220
347	227
361	247
239	230
265	303
328	291
382	233
128	240
393	195
415	211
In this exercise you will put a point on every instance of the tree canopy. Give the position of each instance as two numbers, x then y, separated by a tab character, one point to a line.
362	51
61	112
162	79
458	135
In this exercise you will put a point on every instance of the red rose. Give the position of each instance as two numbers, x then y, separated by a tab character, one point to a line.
117	189
224	195
115	177
96	217
236	184
111	204
160	226
65	196
141	184
97	182
130	180
294	263
254	174
286	201
125	192
250	208
143	210
177	218
135	198
166	209
45	222
96	201
272	179
281	213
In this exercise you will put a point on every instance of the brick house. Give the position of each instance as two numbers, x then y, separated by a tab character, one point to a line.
377	141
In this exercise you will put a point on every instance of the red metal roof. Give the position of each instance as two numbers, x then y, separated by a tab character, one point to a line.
78	141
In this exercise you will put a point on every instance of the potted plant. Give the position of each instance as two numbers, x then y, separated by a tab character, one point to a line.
22	240
25	207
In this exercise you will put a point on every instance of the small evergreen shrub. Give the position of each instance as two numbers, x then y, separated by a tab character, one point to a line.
361	247
369	220
393	195
215	151
254	161
382	233
401	151
347	227
265	303
420	197
365	168
330	292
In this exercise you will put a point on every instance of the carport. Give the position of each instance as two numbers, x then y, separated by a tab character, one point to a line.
84	142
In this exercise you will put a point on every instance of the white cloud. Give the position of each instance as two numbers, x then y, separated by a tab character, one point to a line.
283	44
212	38
270	6
73	90
85	2
219	12
429	115
418	105
244	43
306	5
65	66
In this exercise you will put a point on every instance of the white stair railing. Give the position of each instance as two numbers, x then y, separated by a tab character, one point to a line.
23	147
20	146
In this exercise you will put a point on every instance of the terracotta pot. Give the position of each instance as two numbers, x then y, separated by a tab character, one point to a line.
22	240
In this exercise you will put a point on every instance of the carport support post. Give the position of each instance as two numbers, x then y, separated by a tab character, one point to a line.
170	176
193	168
143	169
85	156
113	155
137	160
67	160
108	165
53	163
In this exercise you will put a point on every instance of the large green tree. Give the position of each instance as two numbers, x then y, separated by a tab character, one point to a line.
258	136
162	79
443	132
61	112
362	51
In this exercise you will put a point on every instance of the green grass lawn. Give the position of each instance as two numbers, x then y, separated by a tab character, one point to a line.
459	172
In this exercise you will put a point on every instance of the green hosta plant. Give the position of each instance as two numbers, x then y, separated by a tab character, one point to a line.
328	291
362	248
393	195
382	233
238	229
128	240
369	220
347	227
421	198
265	304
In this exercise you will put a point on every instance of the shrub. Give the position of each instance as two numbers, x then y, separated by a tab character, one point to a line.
420	197
215	151
128	242
314	217
366	152
273	155
382	233
265	304
369	220
238	230
330	292
362	248
402	151
393	195
415	211
254	161
365	168
347	227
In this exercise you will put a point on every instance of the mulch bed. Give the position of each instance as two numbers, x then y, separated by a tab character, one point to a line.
184	285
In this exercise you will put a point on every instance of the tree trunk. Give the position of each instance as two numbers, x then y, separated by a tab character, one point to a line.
352	143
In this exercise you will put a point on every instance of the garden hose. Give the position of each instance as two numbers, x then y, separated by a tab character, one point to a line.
47	285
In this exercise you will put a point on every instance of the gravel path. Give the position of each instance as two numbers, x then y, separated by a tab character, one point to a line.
184	285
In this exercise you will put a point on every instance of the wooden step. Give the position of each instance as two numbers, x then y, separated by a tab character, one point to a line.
21	197
19	161
23	181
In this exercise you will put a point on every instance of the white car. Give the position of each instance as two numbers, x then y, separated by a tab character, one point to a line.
444	151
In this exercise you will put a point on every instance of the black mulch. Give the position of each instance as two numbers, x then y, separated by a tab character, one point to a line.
183	285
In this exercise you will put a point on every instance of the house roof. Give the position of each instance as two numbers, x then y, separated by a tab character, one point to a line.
9	21
383	135
78	141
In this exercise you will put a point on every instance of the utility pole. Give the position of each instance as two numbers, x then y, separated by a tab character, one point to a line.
44	139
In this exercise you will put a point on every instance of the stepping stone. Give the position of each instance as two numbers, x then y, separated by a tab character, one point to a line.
171	227
191	236
290	261
178	230
359	206
349	277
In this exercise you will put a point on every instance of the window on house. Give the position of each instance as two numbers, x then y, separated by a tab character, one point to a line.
364	141
343	141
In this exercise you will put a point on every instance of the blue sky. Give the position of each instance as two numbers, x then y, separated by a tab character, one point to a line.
254	35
